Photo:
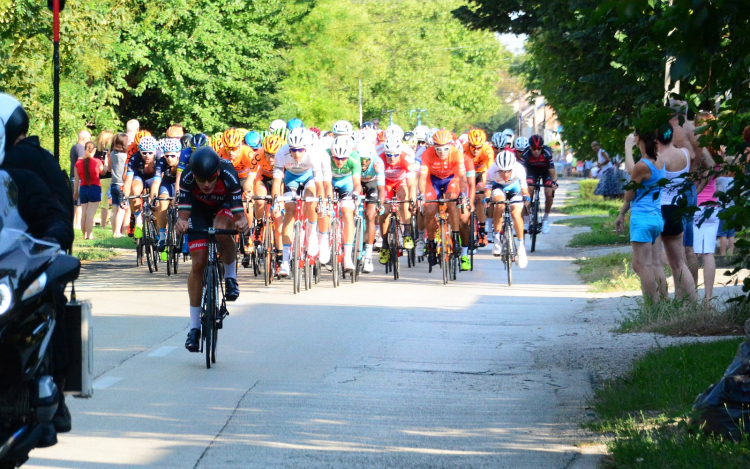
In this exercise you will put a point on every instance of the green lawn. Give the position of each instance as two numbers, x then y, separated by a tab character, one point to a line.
608	273
602	231
644	411
102	247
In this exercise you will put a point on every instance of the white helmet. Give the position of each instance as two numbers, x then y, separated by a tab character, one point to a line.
420	133
13	122
392	146
368	135
394	132
505	160
508	136
522	143
463	138
428	138
312	137
276	125
341	147
342	128
299	138
498	140
366	151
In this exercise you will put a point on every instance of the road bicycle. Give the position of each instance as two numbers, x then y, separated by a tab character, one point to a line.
299	261
148	242
265	252
395	238
445	253
535	225
173	243
507	239
358	248
213	303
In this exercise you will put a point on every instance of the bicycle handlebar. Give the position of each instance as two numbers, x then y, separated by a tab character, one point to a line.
212	231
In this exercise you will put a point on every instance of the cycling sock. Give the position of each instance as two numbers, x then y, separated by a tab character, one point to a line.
138	218
406	228
368	251
464	251
230	270
525	220
546	216
348	250
162	234
311	228
195	317
323	238
497	238
285	252
520	243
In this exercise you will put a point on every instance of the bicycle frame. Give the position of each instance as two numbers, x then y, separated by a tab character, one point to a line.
298	258
445	251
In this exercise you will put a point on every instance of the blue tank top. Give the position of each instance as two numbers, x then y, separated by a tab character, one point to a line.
648	199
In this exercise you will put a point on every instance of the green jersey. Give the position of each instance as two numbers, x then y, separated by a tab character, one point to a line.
352	167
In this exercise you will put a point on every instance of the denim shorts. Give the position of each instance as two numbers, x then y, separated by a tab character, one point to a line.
645	227
116	191
89	194
687	223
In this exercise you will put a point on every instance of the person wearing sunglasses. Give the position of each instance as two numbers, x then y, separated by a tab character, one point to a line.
481	154
198	140
139	174
300	169
443	175
538	162
400	184
373	189
165	178
210	196
506	180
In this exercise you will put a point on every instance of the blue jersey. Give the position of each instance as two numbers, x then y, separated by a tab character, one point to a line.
137	167
165	172
184	159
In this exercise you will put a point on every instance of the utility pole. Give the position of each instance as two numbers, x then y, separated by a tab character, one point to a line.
360	102
56	6
390	115
419	112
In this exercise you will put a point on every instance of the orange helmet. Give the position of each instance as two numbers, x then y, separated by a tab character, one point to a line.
140	135
381	136
477	137
272	144
175	131
232	138
216	144
442	137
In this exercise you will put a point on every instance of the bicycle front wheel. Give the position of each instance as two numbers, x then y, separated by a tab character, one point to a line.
444	251
295	257
394	245
210	288
335	251
357	248
534	227
509	253
268	251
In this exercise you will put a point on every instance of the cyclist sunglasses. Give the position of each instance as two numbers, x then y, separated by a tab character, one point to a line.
536	148
148	153
392	155
171	155
443	149
231	148
296	150
211	179
340	159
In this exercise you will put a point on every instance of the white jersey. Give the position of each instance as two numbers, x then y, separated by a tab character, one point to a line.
316	160
517	176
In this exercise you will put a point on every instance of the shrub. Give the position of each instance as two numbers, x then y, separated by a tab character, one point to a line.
588	186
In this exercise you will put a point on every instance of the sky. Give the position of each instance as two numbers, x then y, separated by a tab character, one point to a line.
512	42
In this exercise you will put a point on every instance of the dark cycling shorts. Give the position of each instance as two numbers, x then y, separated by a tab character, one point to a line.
672	220
267	182
533	174
202	217
370	190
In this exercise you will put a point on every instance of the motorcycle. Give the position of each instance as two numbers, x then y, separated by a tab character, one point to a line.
33	275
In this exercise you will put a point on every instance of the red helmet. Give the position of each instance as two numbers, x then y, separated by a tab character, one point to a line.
536	141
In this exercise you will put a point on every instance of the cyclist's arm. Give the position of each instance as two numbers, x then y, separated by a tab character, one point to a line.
553	175
357	179
177	181
127	185
423	179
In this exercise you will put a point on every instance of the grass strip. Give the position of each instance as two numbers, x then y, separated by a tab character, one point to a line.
602	231
102	247
592	207
609	273
642	411
682	317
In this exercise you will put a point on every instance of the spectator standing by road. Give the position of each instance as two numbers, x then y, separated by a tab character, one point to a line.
88	189
568	163
103	143
117	157
77	151
608	184
587	165
132	128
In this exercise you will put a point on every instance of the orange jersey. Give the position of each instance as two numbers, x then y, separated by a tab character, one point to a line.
442	169
469	163
260	164
483	158
243	163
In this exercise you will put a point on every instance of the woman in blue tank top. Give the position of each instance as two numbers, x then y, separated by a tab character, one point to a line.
646	222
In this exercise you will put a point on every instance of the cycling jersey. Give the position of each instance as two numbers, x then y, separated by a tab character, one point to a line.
136	167
483	158
374	172
164	172
543	161
242	163
316	162
442	169
403	169
184	159
227	191
418	154
259	163
469	164
352	167
515	182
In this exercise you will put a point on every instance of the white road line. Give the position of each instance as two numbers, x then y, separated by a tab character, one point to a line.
106	382
162	351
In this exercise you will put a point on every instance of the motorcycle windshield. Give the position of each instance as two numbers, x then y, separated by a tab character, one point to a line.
22	255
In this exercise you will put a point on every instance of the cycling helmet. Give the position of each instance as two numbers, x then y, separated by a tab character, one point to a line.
315	130
505	160
342	128
477	137
462	139
217	136
420	133
204	162
216	144
341	147
13	122
498	140
276	125
521	143
508	135
272	144
185	140
392	146
199	140
148	144
140	135
313	138
442	137
253	140
368	135
409	138
381	137
175	131
170	145
366	151
231	138
294	123
298	138
428	138
394	132
368	125
536	141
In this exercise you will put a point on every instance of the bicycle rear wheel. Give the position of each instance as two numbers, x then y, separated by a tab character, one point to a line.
154	241
268	251
395	247
473	237
150	261
335	251
455	254
444	251
209	311
509	251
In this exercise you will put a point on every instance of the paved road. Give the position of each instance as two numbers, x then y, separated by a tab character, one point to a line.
378	374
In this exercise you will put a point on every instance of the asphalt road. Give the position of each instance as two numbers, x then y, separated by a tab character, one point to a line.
376	374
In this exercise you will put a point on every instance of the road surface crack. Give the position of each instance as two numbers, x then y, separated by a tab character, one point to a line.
226	424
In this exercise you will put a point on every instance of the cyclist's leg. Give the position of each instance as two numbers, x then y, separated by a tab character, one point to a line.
311	213
498	195
200	218
405	215
224	220
347	217
430	211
